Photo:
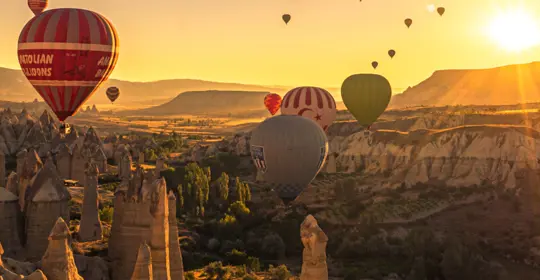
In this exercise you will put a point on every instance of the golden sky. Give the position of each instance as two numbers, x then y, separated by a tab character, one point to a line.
326	40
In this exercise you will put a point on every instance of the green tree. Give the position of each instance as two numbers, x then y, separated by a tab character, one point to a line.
198	186
223	182
238	208
239	190
180	196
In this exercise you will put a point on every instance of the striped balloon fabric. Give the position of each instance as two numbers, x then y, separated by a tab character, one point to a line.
113	93
310	102
38	6
66	54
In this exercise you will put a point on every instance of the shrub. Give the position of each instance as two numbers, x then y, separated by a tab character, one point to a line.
238	209
236	257
253	264
106	214
189	275
279	273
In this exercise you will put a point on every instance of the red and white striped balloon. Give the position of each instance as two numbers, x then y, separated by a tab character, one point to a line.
310	102
66	54
38	6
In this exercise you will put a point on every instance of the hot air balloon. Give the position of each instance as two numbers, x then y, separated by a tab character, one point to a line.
374	64
391	53
272	102
38	6
289	151
408	22
66	54
310	102
441	10
366	96
286	18
113	93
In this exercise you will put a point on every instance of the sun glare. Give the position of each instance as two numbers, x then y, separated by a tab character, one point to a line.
514	30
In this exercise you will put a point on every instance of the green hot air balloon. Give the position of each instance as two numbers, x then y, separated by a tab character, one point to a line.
289	151
366	96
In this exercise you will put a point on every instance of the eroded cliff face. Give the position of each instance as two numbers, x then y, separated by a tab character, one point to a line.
459	156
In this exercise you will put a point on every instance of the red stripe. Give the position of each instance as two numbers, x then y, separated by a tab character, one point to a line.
101	28
297	95
328	98
308	96
24	33
74	91
287	98
47	90
62	27
319	99
42	27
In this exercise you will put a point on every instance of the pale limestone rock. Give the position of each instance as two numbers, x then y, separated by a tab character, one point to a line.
175	254
10	222
12	184
2	170
47	199
58	262
93	268
36	275
331	164
101	161
78	162
32	165
90	226
63	161
159	237
124	169
143	266
21	158
314	265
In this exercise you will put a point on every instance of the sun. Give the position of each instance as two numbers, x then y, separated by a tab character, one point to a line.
514	30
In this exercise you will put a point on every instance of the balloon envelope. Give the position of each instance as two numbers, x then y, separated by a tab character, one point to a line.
272	102
391	53
113	93
286	18
366	96
66	54
408	22
289	151
314	103
374	64
38	6
441	10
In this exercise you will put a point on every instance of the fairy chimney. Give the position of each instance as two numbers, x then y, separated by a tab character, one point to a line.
10	221
118	214
124	168
21	158
63	161
32	165
46	200
58	262
143	266
2	170
101	161
12	184
159	237
78	162
90	226
175	255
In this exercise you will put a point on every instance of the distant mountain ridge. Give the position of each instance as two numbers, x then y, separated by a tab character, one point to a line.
502	85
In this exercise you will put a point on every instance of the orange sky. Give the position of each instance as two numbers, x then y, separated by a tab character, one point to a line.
327	40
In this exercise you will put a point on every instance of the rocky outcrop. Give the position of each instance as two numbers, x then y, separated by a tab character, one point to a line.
175	255
10	222
143	266
90	226
31	166
58	262
46	200
459	156
159	235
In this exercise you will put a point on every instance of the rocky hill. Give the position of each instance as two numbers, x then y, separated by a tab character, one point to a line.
509	84
212	102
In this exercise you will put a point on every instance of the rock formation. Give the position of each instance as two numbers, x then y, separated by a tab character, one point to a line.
314	265
2	170
143	266
124	168
141	157
142	215
78	162
46	200
175	255
90	226
10	221
21	158
159	235
58	262
31	166
12	184
63	161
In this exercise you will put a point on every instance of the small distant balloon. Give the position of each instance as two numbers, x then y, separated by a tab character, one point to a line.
441	10
286	18
272	102
113	93
391	53
38	6
374	64
408	22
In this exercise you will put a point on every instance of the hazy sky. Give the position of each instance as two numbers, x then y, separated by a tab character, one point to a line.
246	41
